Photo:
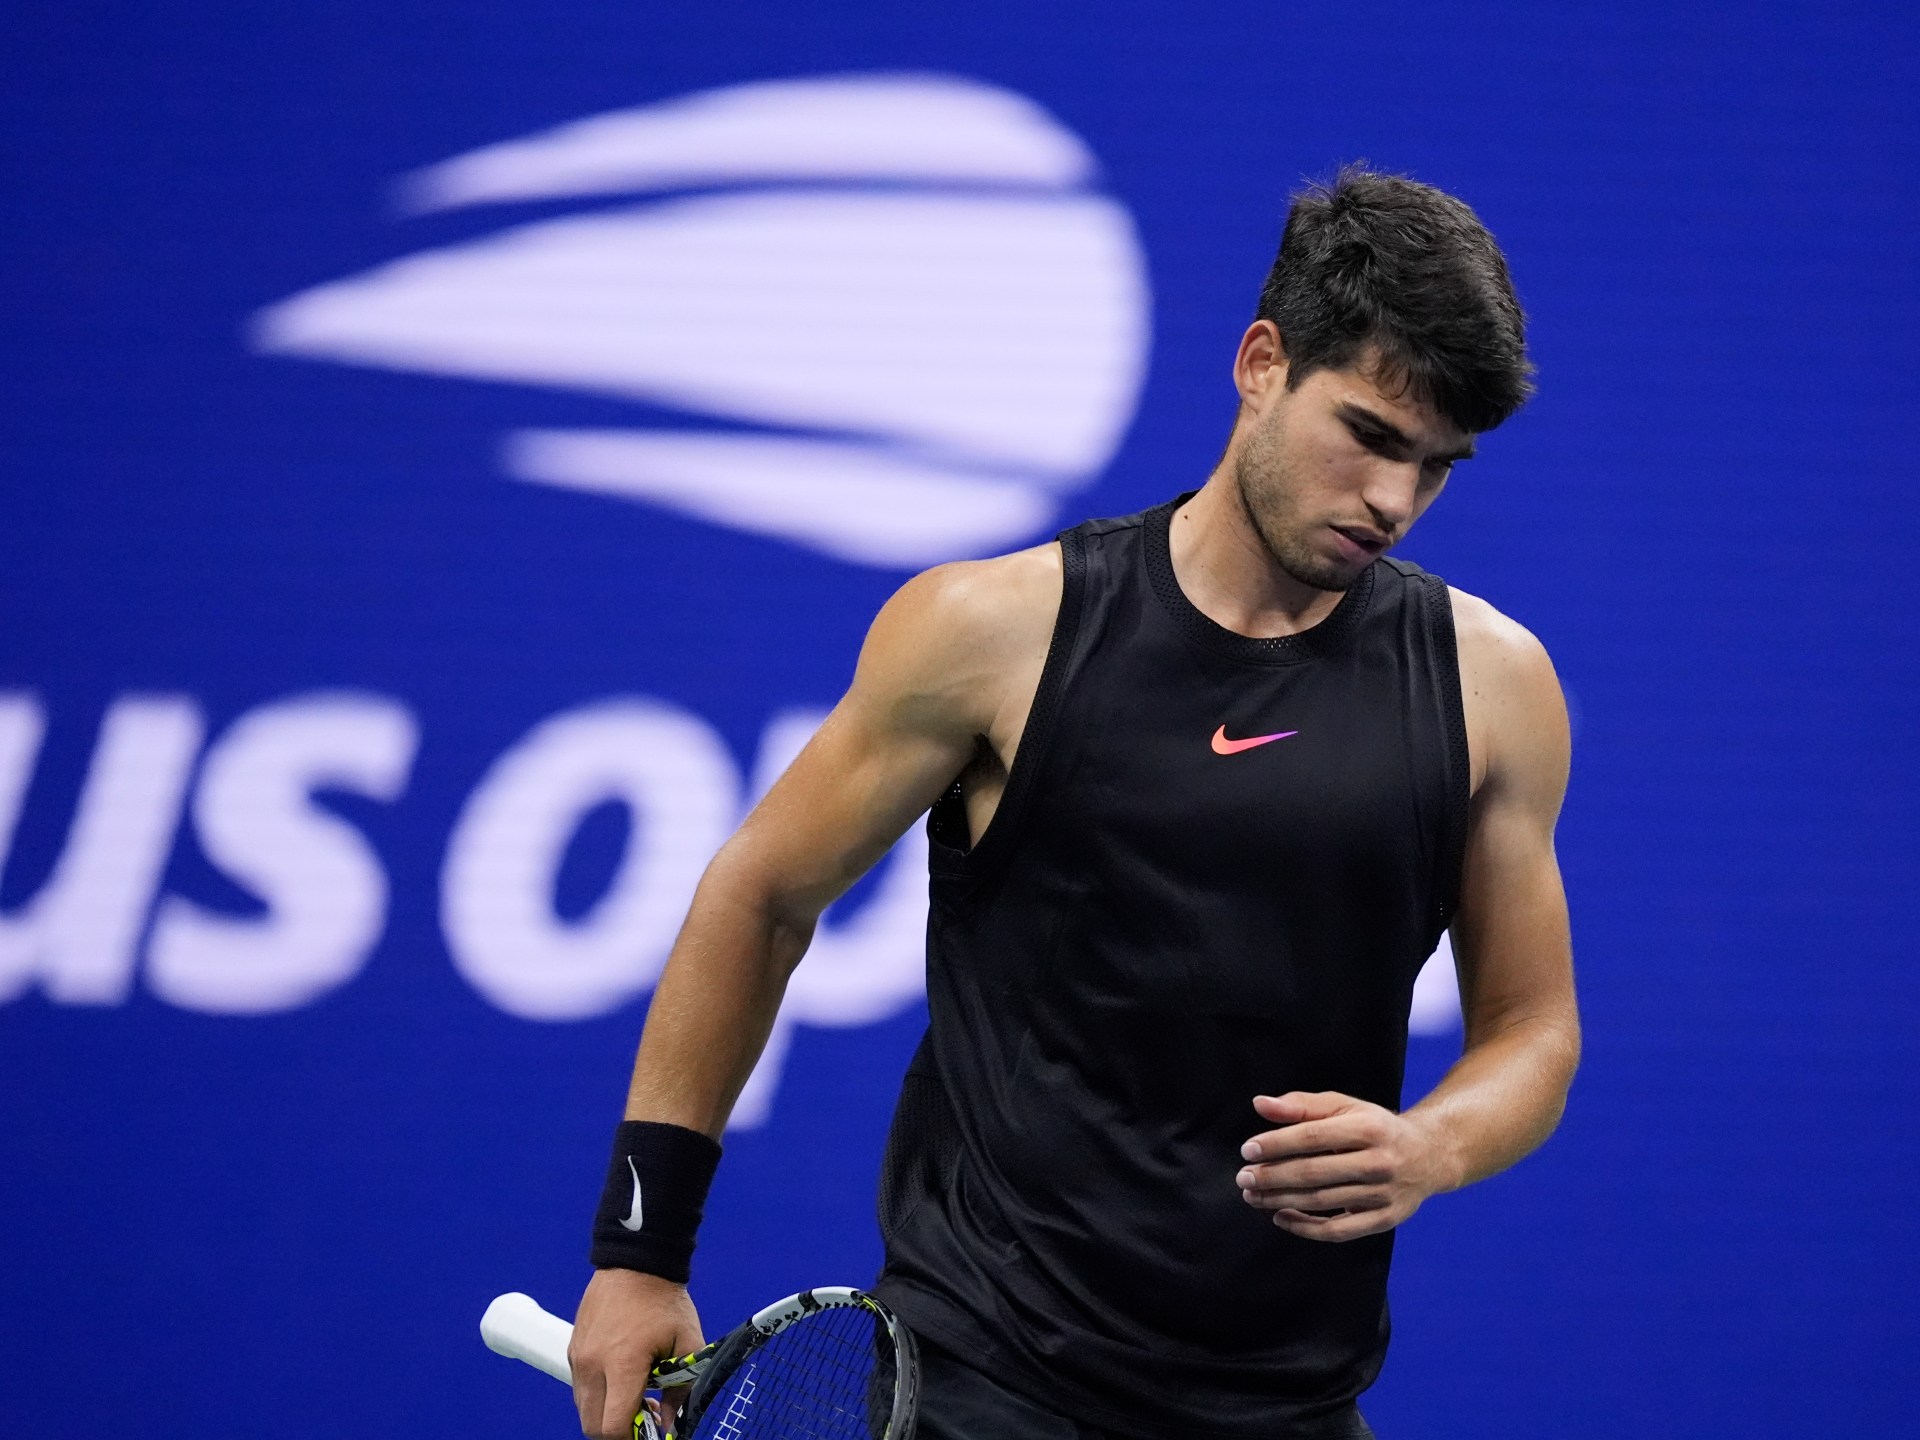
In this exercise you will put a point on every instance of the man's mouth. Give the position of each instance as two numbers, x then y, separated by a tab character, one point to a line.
1370	542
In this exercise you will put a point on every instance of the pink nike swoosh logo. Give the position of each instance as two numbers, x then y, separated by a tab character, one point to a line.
1223	746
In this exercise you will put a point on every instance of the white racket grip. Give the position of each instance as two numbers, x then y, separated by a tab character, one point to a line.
516	1326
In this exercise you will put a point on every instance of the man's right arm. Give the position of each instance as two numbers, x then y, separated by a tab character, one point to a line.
945	664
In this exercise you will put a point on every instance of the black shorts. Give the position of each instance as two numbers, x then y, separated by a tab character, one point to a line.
958	1402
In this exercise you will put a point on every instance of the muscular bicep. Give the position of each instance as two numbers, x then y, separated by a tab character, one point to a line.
933	677
855	788
1511	940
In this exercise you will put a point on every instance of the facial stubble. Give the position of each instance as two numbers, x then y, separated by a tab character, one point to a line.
1261	474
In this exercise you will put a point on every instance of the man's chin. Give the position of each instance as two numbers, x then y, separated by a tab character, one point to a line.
1332	578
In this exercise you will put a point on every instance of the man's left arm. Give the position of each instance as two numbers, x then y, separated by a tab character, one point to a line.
1364	1168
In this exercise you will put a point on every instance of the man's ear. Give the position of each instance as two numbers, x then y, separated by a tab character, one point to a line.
1260	365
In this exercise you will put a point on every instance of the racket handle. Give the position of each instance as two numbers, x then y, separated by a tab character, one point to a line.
516	1326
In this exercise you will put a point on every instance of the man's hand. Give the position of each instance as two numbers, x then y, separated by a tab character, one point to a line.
627	1321
1339	1168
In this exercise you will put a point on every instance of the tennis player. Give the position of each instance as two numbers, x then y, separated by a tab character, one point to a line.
1207	784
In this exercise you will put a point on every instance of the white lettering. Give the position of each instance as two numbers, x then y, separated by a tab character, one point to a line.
79	933
1436	994
497	888
324	885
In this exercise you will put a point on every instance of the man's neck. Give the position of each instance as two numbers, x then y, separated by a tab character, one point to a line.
1226	570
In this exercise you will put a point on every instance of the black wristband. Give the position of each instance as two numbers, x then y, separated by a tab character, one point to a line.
656	1188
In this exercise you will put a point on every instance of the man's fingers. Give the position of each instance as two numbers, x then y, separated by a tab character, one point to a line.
1334	1228
670	1403
1337	1168
627	1320
1316	1172
1313	1137
589	1396
1298	1105
1335	1197
624	1397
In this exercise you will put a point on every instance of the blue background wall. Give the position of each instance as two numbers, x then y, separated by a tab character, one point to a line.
211	1221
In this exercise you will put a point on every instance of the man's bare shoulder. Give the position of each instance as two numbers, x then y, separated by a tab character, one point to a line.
999	605
1487	638
954	643
1516	714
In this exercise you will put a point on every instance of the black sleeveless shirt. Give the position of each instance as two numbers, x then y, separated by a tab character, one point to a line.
1161	922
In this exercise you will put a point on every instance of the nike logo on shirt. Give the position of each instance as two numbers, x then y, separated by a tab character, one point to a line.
1223	746
632	1222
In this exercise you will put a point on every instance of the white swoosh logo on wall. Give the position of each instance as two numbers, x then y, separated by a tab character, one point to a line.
633	1220
905	289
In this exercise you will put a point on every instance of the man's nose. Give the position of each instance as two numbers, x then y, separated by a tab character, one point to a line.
1390	493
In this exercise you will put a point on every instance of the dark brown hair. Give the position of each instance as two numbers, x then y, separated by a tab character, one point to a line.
1382	264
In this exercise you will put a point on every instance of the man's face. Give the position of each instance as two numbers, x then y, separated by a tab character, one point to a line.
1336	472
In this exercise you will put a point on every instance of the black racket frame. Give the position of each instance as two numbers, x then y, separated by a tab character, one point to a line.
734	1350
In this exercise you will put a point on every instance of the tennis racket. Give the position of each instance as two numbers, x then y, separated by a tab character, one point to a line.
826	1364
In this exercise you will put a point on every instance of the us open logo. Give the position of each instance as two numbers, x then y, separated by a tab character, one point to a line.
918	320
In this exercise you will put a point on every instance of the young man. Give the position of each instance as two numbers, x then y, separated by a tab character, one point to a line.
1207	785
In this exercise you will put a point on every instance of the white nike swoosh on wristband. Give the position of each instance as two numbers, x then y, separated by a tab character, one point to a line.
632	1222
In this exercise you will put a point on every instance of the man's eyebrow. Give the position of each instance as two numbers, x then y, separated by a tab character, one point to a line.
1355	414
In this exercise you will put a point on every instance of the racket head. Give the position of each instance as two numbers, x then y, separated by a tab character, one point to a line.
826	1364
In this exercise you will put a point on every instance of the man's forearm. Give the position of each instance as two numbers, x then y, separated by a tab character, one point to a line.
717	1000
1501	1098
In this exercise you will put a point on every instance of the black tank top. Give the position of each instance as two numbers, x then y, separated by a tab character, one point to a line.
1161	922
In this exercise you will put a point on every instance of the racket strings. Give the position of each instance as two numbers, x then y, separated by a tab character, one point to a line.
829	1376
